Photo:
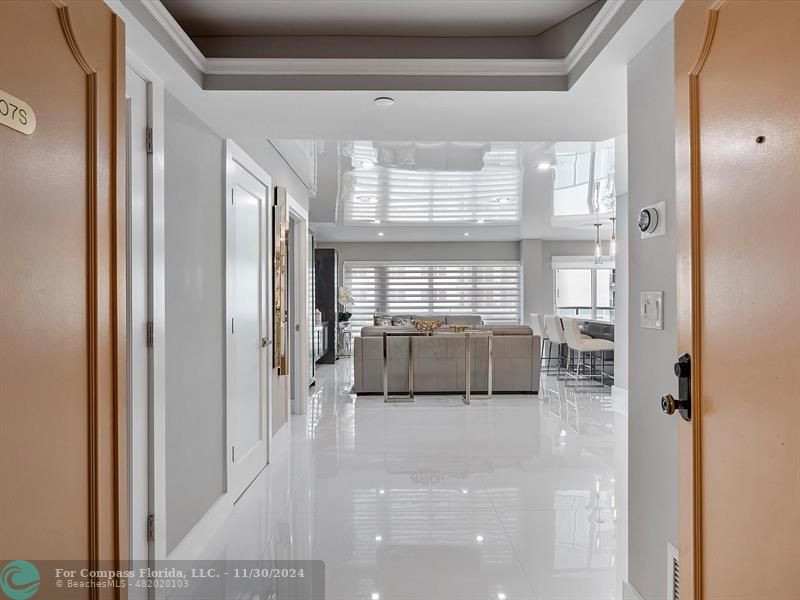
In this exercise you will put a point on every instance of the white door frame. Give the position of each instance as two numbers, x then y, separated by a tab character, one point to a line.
137	198
299	311
157	365
234	155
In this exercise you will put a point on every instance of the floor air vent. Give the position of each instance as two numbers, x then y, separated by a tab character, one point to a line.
673	573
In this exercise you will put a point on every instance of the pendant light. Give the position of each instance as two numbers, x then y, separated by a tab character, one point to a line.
598	248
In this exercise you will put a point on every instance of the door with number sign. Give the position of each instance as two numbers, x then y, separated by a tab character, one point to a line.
62	283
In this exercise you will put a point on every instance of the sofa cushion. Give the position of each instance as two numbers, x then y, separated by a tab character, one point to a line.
508	329
381	320
464	320
401	320
376	331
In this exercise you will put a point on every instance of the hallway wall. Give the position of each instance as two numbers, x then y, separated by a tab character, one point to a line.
653	438
195	337
194	164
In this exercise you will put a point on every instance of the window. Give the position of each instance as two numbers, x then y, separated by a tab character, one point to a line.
584	178
604	294
574	292
489	289
583	289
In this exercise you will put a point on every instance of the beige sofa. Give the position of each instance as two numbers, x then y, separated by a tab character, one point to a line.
439	361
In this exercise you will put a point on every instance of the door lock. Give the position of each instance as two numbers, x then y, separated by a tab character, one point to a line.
683	404
265	342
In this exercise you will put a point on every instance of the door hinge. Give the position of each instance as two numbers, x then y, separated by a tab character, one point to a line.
233	453
231	325
150	334
151	528
148	140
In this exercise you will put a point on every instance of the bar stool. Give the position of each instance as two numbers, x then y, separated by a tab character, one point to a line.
537	324
583	344
555	335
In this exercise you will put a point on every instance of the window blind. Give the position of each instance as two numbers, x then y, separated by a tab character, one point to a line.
489	289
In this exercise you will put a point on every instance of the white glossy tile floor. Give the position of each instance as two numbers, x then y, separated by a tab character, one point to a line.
517	497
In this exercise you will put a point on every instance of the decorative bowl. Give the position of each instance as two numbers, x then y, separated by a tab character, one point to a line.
459	328
426	326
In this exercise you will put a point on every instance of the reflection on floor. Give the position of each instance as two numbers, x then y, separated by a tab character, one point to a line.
517	497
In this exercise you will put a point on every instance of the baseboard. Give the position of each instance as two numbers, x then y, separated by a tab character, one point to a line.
619	397
629	592
199	536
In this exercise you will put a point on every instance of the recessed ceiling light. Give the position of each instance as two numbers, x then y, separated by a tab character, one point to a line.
543	166
365	200
465	491
378	538
376	596
383	101
380	234
501	596
466	234
478	538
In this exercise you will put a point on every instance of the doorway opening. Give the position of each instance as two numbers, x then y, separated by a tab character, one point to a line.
299	307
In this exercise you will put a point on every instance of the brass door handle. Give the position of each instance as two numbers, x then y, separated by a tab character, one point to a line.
669	404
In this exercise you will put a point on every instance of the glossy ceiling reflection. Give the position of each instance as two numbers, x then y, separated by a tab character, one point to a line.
407	183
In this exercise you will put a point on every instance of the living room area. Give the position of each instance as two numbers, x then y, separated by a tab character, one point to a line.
503	256
466	300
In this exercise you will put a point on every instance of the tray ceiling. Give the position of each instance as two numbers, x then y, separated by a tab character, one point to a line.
435	18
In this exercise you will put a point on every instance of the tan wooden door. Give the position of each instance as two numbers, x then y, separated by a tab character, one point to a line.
738	192
62	278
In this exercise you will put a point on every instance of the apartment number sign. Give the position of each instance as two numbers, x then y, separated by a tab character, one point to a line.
16	114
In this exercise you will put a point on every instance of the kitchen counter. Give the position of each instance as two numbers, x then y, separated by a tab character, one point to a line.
603	330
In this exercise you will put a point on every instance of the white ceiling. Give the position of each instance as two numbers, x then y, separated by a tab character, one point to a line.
509	198
372	17
594	108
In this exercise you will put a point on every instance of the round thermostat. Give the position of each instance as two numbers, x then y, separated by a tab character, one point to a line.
648	220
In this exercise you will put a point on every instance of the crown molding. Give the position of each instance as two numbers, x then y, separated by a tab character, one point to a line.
176	32
379	66
601	20
384	66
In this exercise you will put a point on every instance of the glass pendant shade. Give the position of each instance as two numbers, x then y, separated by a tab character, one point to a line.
598	248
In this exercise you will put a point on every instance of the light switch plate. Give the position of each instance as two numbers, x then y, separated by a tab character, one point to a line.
652	310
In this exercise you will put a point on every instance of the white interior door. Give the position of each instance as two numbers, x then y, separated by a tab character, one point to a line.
138	380
247	327
298	255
